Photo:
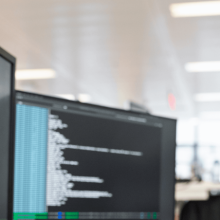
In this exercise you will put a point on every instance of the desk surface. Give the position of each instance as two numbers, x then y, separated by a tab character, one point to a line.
194	190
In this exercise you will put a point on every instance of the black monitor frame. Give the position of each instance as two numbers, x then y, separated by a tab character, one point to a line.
11	59
167	189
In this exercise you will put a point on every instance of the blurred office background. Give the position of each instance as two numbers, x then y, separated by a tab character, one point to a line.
158	53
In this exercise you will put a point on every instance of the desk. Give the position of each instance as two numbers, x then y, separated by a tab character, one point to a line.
196	191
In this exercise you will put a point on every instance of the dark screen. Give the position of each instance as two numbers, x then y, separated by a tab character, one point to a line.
133	181
5	109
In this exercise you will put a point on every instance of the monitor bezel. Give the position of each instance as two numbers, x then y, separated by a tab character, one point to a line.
164	120
11	59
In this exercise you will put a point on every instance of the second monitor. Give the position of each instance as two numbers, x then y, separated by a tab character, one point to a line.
81	161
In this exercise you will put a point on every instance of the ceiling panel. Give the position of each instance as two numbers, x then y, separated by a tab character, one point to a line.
113	50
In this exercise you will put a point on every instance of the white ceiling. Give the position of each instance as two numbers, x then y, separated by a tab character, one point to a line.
114	50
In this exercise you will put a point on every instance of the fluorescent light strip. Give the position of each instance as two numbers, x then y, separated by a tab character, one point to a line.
212	66
66	96
195	9
84	98
207	97
33	74
210	115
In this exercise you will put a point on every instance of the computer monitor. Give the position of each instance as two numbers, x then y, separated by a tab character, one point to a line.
7	69
83	161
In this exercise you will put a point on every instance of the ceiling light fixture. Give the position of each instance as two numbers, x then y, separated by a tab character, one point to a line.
33	74
84	98
66	96
210	115
195	9
211	66
207	97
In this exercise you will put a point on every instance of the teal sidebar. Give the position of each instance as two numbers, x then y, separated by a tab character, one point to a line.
30	159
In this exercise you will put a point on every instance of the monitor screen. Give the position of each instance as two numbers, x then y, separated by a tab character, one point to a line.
7	67
81	161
